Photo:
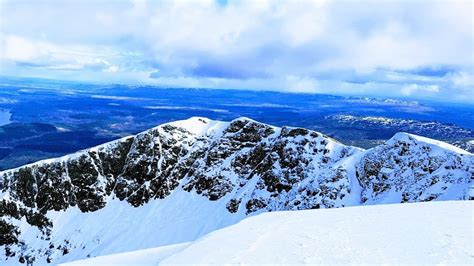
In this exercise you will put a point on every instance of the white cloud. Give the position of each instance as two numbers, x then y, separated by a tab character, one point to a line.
19	49
415	88
463	79
302	84
43	54
305	45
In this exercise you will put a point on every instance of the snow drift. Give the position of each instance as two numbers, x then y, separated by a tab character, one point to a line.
416	233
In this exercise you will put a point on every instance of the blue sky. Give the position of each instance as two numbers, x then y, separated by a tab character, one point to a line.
412	49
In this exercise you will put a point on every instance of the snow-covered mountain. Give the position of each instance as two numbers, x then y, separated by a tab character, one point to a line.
420	233
182	180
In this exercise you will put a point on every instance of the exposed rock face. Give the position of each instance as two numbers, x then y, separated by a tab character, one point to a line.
411	168
250	166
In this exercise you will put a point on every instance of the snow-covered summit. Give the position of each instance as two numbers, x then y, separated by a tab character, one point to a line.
215	173
198	125
415	139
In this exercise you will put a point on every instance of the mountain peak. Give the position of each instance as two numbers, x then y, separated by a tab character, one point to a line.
414	139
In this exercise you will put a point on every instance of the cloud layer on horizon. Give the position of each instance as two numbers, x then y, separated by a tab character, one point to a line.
391	48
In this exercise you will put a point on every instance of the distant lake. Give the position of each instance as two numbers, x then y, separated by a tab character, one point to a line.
4	117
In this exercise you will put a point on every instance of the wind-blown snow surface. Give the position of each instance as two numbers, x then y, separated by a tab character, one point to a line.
415	233
182	180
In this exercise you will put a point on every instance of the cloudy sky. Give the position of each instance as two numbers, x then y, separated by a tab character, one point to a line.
413	49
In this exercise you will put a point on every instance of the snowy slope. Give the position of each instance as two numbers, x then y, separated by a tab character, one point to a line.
417	233
182	180
120	227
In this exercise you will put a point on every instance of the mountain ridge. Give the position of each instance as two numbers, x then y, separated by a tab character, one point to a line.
241	168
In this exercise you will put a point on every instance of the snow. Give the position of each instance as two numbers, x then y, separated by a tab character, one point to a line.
436	143
180	217
174	223
201	126
379	119
198	126
432	128
143	257
416	233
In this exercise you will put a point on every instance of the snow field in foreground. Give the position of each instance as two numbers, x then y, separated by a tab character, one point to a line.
416	233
